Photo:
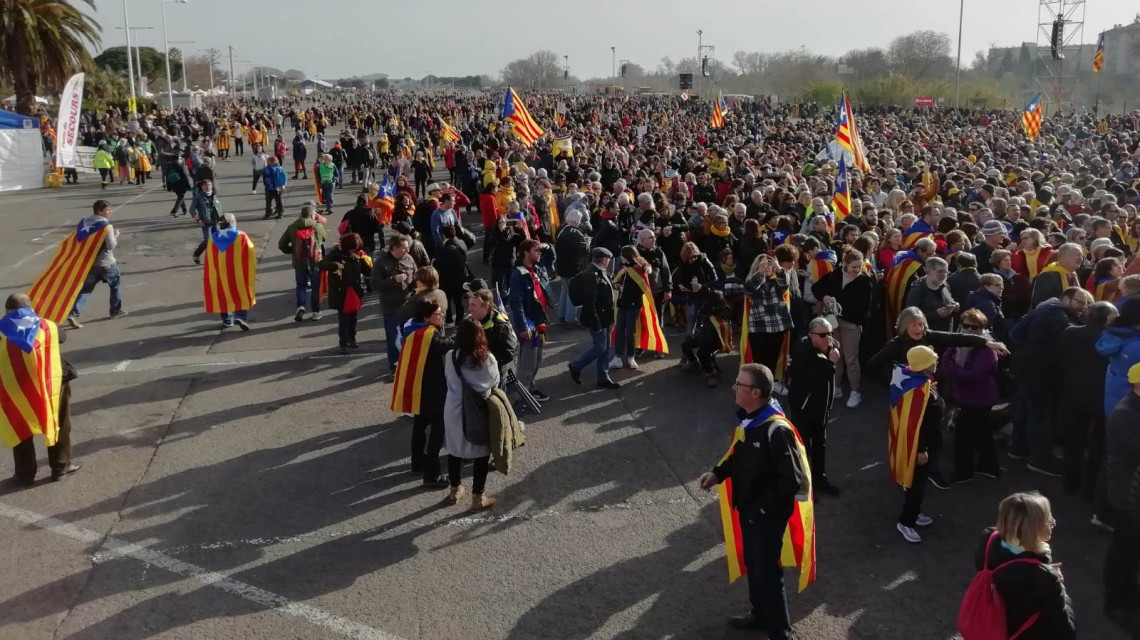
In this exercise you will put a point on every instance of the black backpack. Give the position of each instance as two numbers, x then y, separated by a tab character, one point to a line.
579	286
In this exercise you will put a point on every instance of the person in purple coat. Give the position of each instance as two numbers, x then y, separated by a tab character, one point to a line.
972	373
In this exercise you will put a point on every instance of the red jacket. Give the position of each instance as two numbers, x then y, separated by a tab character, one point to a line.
487	210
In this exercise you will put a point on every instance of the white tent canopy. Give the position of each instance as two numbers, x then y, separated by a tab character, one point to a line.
21	153
11	100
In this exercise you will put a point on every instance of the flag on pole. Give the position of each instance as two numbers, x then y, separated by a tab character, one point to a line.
685	95
385	201
1098	57
841	202
447	132
798	550
229	276
910	393
522	124
53	293
559	117
1031	117
31	374
847	135
719	109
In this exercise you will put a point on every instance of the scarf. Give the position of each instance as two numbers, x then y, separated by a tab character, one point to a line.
720	233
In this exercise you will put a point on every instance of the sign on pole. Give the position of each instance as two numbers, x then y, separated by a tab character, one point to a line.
67	132
924	101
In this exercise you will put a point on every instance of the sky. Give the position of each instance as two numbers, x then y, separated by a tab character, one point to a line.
414	38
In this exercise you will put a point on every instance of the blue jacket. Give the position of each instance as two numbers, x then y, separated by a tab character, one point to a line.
526	312
439	218
1121	345
990	306
274	176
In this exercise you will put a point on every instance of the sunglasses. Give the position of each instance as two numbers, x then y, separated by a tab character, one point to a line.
972	327
822	335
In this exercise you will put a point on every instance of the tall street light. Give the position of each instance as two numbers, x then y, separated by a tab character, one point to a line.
166	45
130	64
137	53
185	88
613	69
958	79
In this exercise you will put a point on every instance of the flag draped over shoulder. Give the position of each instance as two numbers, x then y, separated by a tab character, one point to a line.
821	265
798	549
847	134
407	387
1031	117
522	124
906	264
53	293
229	275
648	334
841	201
31	376
915	232
910	393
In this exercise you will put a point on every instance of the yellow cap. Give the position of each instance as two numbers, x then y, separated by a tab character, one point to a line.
1134	374
921	358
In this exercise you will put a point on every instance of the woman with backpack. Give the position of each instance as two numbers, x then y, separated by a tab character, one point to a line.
1014	558
472	373
178	181
346	264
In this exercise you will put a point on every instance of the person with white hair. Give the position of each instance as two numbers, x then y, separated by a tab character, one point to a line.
572	251
1059	275
811	390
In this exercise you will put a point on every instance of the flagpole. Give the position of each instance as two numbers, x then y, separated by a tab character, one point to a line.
1096	102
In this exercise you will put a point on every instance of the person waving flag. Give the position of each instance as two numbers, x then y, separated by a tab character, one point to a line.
719	109
522	124
1031	117
1098	57
841	202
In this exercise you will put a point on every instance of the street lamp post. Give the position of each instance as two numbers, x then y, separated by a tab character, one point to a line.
166	45
958	78
697	75
185	88
130	64
613	69
137	54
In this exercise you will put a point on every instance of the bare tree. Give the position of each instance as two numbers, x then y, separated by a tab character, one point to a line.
867	63
749	63
921	54
539	70
666	67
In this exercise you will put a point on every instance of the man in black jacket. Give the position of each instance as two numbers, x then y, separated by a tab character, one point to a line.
765	480
811	392
1122	477
501	338
597	315
1081	410
965	280
573	249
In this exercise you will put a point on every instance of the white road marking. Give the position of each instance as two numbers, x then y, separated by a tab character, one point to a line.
122	366
133	284
21	261
51	231
203	576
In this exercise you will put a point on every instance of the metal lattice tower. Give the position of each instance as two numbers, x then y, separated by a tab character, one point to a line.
1056	80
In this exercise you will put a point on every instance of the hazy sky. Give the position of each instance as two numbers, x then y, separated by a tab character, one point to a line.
341	38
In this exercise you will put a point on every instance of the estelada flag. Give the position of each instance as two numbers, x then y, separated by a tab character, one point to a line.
724	332
31	376
230	274
1030	262
904	266
822	264
745	345
407	387
317	182
648	335
798	550
53	293
910	392
785	345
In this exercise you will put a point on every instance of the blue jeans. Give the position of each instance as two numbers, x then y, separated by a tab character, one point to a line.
599	351
110	275
391	331
626	326
327	193
566	311
308	278
228	318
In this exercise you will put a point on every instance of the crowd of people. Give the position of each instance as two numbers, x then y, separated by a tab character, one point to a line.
988	278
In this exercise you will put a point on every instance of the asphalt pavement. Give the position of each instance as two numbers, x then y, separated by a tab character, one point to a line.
255	485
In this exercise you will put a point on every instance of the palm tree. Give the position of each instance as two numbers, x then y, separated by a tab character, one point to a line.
43	42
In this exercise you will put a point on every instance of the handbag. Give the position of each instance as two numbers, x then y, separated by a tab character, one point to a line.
476	427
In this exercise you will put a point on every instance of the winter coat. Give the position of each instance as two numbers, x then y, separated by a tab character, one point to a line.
854	299
406	312
451	263
963	283
573	249
812	387
208	209
481	380
894	352
523	300
974	383
598	305
1122	457
662	278
345	271
929	301
1035	344
285	243
1121	345
392	294
1082	369
1026	589
990	305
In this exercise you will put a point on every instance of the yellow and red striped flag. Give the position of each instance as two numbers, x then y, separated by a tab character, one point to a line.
522	124
407	387
847	135
746	346
447	132
53	294
648	334
910	392
719	109
841	202
898	277
1031	117
559	118
798	549
229	276
724	332
31	377
1098	57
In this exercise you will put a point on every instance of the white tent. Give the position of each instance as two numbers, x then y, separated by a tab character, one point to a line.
21	153
10	101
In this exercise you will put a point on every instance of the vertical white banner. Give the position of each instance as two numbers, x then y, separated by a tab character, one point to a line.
67	126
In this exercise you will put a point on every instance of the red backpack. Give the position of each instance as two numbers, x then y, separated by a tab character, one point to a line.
982	616
305	247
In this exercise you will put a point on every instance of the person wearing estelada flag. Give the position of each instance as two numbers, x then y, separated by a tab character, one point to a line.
419	387
764	489
712	335
229	277
36	393
915	434
905	269
636	325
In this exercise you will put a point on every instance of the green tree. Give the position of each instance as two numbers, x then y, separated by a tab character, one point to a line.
823	93
152	60
44	42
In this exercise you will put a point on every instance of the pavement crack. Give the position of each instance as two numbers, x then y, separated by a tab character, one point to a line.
119	511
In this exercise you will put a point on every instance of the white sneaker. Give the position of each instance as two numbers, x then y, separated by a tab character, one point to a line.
631	363
254	192
779	389
908	532
838	393
616	363
854	400
923	520
317	316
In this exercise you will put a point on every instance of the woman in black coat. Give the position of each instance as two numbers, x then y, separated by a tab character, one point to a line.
451	263
346	265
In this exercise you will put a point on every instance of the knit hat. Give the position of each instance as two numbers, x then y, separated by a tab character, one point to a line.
1134	374
993	228
921	358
